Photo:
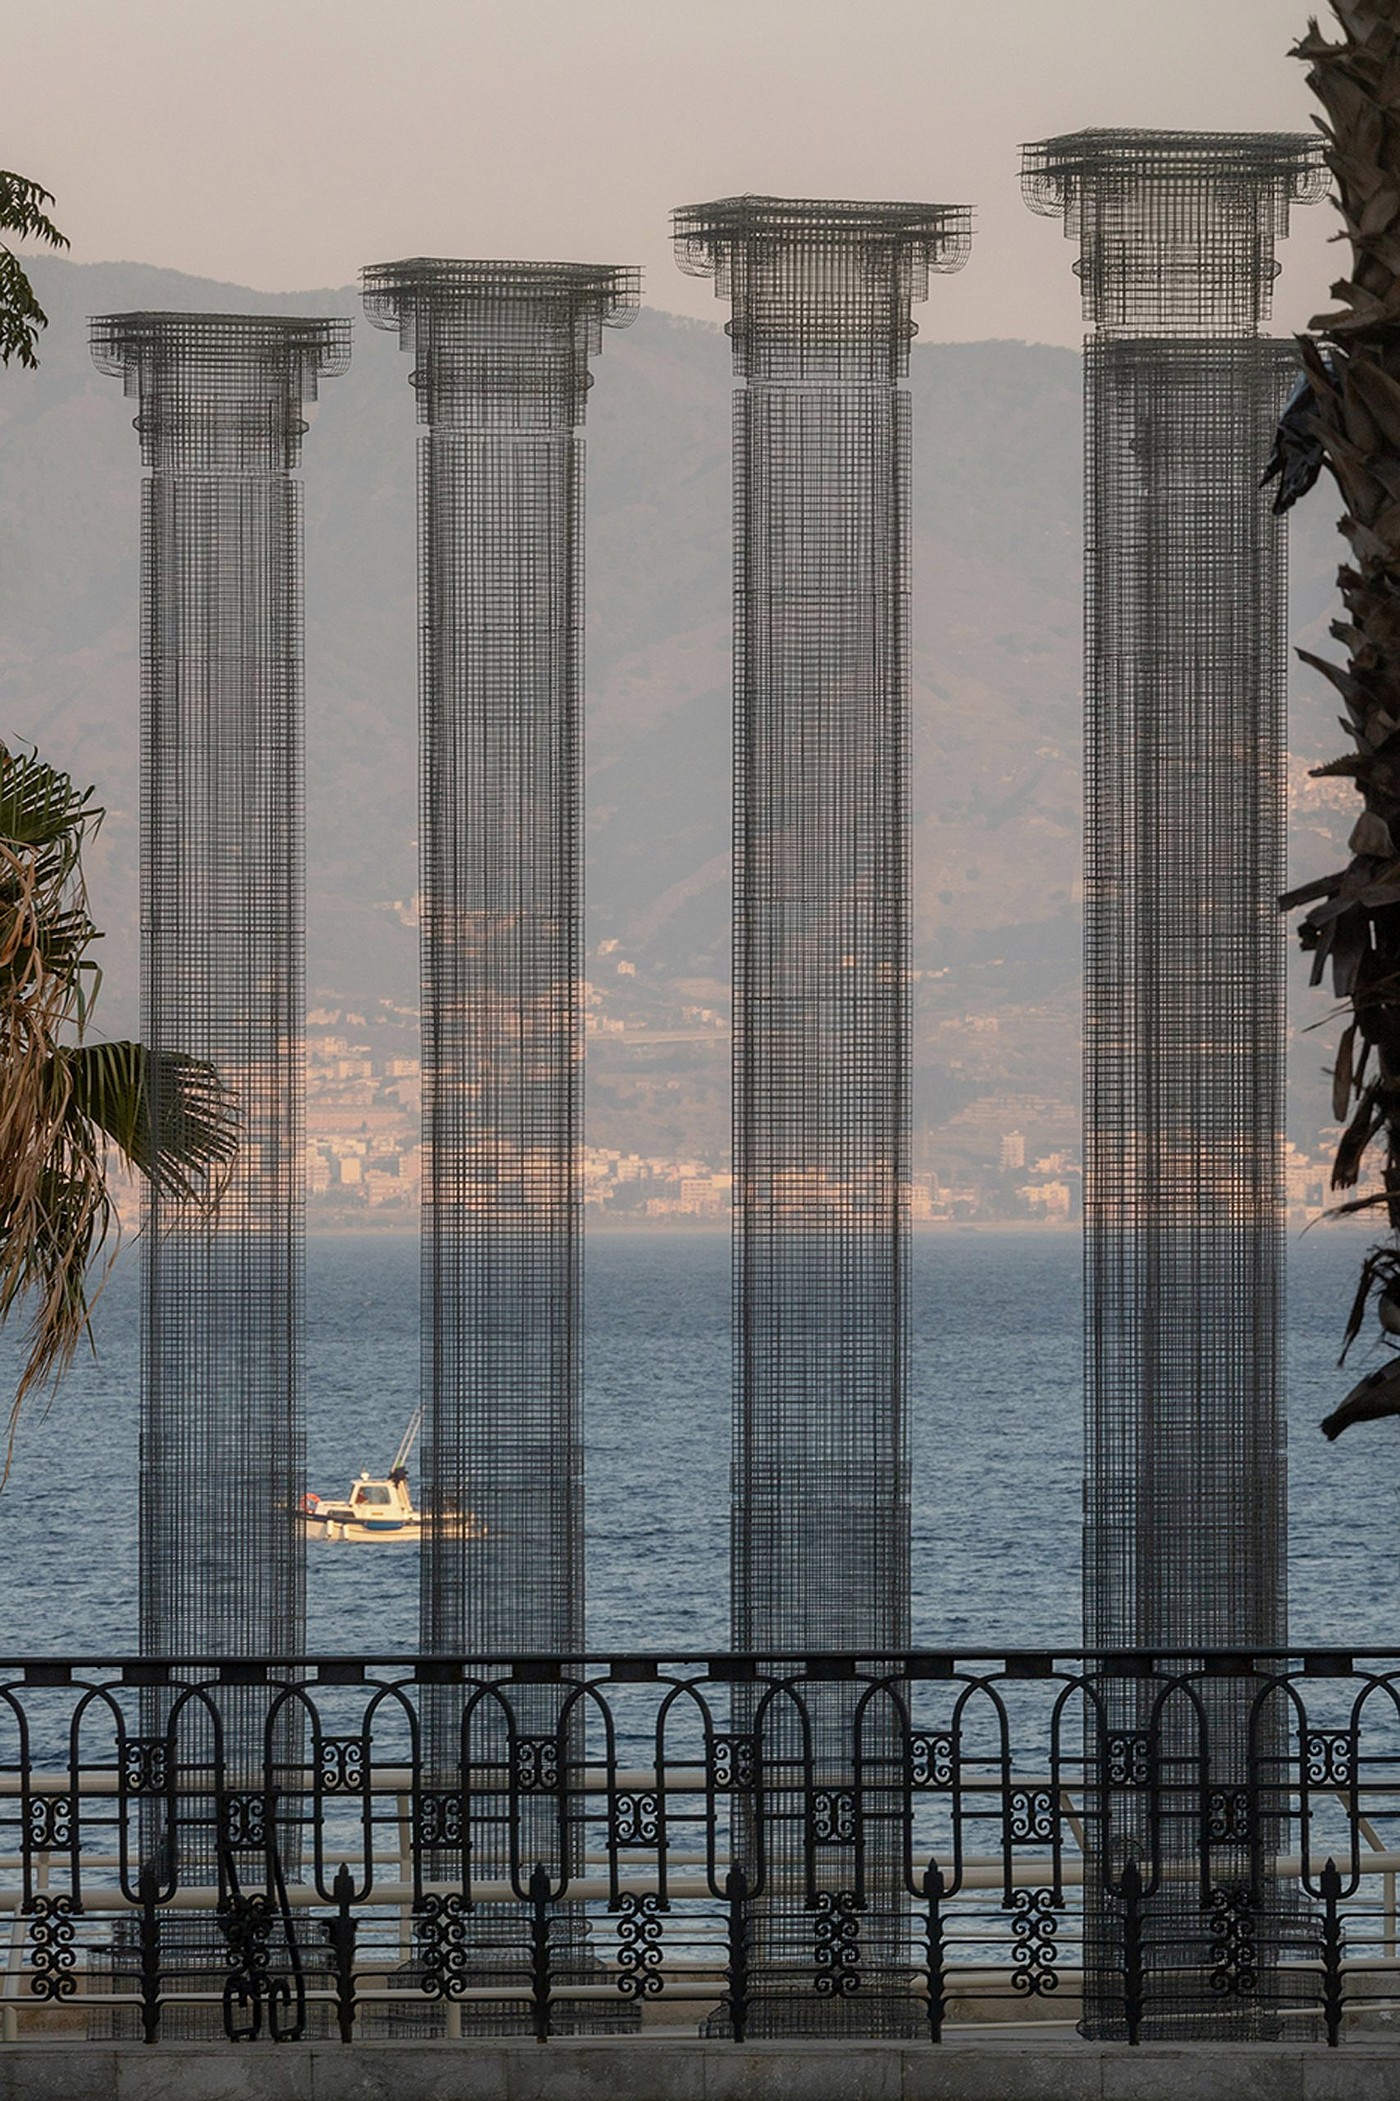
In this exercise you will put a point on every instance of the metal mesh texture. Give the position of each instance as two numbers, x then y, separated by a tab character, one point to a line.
821	296
222	956
821	324
501	373
1184	1539
1176	228
1184	1028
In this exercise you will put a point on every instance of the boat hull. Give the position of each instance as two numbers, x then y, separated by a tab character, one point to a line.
382	1532
377	1513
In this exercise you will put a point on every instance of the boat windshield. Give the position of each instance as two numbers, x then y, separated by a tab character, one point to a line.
371	1492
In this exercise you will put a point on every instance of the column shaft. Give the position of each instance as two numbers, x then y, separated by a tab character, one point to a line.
821	297
821	1508
1184	1497
502	1070
221	1563
501	375
1185	1541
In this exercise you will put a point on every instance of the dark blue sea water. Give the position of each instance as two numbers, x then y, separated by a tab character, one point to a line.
996	1447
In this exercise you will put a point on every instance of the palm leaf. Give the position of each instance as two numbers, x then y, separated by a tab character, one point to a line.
40	806
64	1104
169	1115
1353	366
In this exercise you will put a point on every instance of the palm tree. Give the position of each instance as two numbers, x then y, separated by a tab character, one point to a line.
63	1099
21	316
1353	410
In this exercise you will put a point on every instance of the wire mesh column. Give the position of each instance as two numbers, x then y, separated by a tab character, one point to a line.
221	1558
821	294
1184	1540
221	395
501	375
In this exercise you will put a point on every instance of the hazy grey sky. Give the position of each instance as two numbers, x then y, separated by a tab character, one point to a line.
283	143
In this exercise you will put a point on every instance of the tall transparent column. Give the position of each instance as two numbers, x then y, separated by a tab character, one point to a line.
821	294
501	375
1184	1538
220	422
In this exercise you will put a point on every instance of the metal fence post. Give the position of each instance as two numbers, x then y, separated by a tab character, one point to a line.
147	1885
934	1969
1332	1996
736	1997
540	1978
340	1933
1132	1951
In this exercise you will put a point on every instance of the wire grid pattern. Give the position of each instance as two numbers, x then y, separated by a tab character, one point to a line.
1184	1034
1185	1542
821	1520
221	1562
821	290
1177	229
821	295
1184	1536
501	373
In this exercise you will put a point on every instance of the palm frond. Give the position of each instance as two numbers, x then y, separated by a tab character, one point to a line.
65	1104
39	805
169	1115
55	1214
55	946
1353	421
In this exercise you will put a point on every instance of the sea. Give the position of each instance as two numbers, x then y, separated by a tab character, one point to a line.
996	1390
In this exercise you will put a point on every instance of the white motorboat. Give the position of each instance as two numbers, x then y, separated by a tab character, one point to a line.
380	1507
375	1509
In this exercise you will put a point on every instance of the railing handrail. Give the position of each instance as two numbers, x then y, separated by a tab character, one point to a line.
825	1824
717	1665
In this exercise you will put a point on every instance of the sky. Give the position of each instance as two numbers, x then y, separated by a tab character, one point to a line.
282	144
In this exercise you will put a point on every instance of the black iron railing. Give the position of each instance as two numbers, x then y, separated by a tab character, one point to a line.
675	1842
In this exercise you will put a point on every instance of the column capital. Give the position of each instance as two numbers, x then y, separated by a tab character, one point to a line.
821	289
220	393
500	344
1177	229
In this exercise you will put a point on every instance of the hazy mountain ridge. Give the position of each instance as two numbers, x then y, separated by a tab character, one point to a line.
995	560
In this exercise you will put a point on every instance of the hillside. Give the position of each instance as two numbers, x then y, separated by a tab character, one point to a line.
996	624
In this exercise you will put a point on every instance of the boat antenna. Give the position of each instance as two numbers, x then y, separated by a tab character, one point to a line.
408	1440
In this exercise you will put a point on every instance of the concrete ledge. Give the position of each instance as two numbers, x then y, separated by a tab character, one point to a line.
686	2070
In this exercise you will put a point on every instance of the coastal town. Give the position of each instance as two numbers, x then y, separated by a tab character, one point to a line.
1006	1158
657	1055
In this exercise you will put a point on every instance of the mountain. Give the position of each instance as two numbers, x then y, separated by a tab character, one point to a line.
996	567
